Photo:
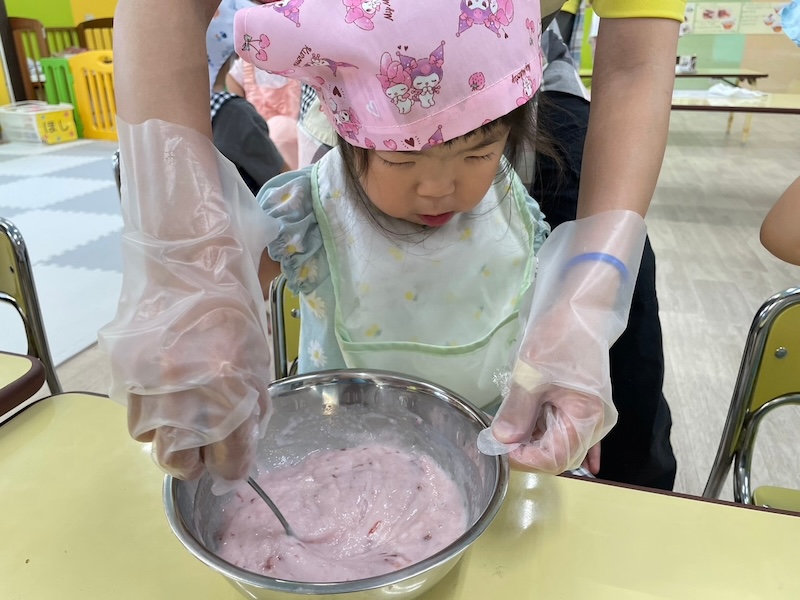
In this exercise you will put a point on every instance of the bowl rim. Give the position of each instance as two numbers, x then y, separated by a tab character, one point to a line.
456	548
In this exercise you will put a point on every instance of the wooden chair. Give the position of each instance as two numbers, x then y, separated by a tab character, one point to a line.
62	38
30	42
17	288
285	317
97	34
769	378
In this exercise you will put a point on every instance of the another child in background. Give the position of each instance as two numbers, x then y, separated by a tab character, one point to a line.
276	98
780	231
412	243
242	135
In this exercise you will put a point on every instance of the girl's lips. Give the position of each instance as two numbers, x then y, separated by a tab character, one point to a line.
436	220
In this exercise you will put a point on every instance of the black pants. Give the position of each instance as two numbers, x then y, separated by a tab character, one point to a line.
638	449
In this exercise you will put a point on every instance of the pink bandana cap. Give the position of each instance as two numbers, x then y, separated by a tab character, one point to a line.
400	74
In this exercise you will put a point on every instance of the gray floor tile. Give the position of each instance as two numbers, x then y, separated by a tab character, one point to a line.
99	169
104	254
94	147
105	201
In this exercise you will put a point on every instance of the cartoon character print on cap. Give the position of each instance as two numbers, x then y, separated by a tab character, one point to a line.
527	91
492	14
263	43
333	65
362	13
526	77
426	75
347	121
477	81
396	83
435	140
533	32
289	9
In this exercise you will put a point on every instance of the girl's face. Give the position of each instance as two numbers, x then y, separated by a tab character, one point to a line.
431	186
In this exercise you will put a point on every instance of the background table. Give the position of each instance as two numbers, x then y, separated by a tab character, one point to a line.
20	378
81	518
787	104
739	75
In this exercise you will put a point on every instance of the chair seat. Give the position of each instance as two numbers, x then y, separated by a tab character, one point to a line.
777	497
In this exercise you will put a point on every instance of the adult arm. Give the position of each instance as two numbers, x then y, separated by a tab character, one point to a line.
188	346
160	65
632	85
586	268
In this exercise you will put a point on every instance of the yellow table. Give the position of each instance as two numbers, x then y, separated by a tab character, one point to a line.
81	518
20	378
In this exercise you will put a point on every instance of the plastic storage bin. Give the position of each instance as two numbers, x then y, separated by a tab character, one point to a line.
93	79
59	87
36	121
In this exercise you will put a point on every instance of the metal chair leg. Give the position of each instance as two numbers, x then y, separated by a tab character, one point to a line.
34	326
276	291
117	174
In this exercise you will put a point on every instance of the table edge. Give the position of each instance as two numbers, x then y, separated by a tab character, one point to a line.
684	496
25	387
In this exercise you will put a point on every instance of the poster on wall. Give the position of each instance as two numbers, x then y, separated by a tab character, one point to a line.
761	17
687	26
717	18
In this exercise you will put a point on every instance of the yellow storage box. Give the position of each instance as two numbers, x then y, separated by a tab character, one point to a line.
36	121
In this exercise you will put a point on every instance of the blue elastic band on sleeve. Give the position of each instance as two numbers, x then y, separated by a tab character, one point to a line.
601	257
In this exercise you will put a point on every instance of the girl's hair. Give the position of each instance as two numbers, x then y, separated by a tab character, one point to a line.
524	134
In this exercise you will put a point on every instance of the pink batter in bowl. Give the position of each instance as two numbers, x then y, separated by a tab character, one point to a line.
373	534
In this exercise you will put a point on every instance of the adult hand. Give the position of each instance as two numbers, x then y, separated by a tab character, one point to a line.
189	347
559	402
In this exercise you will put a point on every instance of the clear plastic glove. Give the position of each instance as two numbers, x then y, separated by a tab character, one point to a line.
188	346
559	401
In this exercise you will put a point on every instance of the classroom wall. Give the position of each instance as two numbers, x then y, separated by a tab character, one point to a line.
86	10
53	13
61	13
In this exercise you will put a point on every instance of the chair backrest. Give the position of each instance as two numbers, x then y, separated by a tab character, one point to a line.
285	316
17	288
62	38
769	377
97	34
30	43
93	81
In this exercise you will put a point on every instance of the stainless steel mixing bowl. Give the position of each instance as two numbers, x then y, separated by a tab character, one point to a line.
348	408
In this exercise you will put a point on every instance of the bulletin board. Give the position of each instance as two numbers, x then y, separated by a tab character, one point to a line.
730	18
746	34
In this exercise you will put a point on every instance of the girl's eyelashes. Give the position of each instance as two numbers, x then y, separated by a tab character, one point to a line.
489	156
395	164
478	157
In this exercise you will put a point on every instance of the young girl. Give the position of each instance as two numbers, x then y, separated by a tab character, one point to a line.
188	346
412	243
